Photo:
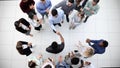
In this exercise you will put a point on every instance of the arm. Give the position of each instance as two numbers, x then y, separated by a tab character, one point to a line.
96	10
58	5
87	5
50	5
51	25
61	37
91	41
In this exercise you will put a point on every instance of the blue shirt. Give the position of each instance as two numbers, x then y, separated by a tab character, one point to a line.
55	20
98	49
41	7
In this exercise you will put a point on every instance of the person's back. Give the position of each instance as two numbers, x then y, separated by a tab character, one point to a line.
98	45
24	5
55	47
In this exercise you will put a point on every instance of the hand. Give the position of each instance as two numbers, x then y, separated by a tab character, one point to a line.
30	27
47	10
58	33
87	40
87	8
92	12
29	43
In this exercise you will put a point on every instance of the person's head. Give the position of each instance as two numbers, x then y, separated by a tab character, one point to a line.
54	45
103	43
54	13
48	66
43	1
70	2
17	24
75	60
95	2
78	2
88	52
31	64
19	47
24	0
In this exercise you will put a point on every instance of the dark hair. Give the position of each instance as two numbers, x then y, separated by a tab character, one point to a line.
75	61
54	12
78	2
31	64
71	1
105	43
48	66
96	1
19	48
54	45
42	0
16	24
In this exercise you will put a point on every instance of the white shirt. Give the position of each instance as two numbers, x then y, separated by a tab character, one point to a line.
55	20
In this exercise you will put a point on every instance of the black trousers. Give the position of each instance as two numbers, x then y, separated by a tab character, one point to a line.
31	13
67	17
86	18
38	28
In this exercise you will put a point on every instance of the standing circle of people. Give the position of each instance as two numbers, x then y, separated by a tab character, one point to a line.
80	10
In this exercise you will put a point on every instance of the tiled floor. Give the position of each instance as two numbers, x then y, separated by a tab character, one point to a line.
104	25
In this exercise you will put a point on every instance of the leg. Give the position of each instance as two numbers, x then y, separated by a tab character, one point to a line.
86	19
67	17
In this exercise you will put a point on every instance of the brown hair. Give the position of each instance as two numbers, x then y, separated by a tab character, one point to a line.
19	48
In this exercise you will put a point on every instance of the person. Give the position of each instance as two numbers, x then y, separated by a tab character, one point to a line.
27	6
74	59
23	26
61	63
48	63
85	51
56	48
99	46
76	19
43	7
24	48
87	64
34	61
91	8
67	6
80	4
56	18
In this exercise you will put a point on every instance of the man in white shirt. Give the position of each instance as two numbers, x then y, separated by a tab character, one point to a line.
56	18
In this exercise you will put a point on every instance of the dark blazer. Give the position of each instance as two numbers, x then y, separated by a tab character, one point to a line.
57	50
26	51
20	29
25	5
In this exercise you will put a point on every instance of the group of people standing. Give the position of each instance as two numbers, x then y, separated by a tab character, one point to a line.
81	11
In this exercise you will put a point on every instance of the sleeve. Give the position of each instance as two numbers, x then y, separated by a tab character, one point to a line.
87	5
51	25
96	9
62	13
39	9
25	22
58	5
94	41
50	5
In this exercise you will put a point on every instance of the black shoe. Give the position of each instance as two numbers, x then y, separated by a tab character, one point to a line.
59	24
84	21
